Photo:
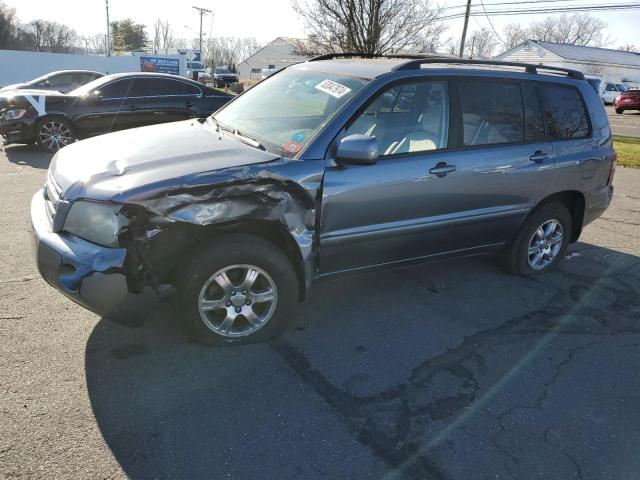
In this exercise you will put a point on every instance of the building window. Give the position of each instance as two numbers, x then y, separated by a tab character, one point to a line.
255	70
272	66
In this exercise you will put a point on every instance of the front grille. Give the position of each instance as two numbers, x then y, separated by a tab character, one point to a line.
52	193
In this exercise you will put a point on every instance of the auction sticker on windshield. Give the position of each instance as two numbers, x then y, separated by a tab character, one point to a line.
334	89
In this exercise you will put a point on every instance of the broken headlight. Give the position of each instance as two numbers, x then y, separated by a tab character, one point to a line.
13	114
96	222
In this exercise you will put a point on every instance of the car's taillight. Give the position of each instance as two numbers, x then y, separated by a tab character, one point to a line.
612	169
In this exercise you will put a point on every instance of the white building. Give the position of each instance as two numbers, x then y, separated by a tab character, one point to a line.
279	53
615	65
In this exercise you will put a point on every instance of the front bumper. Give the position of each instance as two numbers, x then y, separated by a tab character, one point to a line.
16	131
90	275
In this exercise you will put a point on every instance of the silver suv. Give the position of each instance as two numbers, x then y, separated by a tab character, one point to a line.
328	167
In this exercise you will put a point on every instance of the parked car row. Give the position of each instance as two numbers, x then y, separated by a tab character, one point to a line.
315	173
106	104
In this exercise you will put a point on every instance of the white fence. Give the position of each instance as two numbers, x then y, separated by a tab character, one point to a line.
17	66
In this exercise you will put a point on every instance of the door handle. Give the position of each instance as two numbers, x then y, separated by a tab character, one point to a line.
441	169
539	156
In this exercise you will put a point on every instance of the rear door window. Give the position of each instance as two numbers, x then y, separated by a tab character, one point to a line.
565	112
167	86
492	112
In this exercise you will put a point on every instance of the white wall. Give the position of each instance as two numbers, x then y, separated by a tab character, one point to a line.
16	66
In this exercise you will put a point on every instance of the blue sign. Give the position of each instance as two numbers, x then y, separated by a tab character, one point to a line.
160	65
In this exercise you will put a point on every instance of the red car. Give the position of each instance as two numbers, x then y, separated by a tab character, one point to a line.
629	100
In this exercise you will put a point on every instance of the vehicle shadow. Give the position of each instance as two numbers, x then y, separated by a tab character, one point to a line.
450	370
28	155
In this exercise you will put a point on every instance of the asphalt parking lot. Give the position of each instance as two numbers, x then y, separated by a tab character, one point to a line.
626	124
453	370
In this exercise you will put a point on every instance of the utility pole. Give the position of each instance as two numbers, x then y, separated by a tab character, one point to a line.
108	45
464	29
201	11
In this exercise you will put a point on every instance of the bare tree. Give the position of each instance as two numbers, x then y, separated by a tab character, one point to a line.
369	26
629	47
98	43
513	35
46	36
9	27
481	43
577	29
228	51
162	36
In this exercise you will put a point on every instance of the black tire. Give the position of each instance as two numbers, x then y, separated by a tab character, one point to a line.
243	250
515	257
45	131
619	111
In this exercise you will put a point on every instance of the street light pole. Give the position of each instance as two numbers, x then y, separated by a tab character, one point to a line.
108	27
201	11
464	29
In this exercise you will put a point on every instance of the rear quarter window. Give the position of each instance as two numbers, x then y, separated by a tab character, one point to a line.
565	112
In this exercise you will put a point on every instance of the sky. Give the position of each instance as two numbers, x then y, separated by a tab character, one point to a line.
261	19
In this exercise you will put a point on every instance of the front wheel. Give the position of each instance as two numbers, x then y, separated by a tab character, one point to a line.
540	242
240	290
619	111
54	133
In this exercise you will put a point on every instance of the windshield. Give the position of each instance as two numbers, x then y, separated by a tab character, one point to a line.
286	110
223	70
621	87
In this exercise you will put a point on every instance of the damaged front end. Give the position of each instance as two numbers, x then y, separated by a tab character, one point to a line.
162	224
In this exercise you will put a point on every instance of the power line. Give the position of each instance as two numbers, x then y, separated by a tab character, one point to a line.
631	6
491	23
520	2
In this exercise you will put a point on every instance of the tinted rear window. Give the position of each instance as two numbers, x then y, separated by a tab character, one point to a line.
167	86
491	112
564	112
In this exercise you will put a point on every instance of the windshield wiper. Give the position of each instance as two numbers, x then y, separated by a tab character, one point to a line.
248	140
236	133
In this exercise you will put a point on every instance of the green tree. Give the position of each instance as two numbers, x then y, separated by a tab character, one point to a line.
128	36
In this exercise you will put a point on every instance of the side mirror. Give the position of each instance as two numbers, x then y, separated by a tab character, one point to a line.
357	149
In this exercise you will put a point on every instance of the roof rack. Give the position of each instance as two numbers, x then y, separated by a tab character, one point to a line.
529	68
330	56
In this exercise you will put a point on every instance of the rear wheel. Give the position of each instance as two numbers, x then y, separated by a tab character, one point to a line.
241	290
619	111
53	133
540	242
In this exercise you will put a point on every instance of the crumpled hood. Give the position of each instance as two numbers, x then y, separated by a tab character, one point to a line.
105	166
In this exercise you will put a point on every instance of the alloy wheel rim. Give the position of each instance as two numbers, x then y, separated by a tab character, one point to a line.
545	244
55	135
237	300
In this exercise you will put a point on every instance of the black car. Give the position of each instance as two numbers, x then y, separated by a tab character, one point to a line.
113	102
62	81
223	77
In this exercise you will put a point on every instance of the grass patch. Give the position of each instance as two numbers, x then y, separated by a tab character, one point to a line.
628	149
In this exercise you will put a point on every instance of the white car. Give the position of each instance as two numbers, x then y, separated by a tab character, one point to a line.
611	92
